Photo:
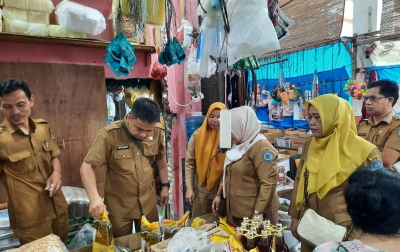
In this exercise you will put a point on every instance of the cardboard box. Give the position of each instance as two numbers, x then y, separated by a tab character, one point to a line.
271	134
285	142
132	241
163	246
292	132
298	140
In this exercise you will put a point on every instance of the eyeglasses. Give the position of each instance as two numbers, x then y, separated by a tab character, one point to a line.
373	98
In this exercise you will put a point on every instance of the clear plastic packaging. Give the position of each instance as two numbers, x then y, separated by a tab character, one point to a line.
188	239
252	32
77	17
83	238
77	200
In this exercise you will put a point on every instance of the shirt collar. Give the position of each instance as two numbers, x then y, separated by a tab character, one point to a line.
12	128
388	118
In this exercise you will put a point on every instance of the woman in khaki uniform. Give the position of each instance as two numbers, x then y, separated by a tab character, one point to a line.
330	157
204	164
249	178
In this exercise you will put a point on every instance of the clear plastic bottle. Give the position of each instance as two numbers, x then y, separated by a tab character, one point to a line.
251	241
104	238
264	243
280	241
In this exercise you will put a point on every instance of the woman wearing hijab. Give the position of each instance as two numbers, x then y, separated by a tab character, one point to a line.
249	176
204	163
330	157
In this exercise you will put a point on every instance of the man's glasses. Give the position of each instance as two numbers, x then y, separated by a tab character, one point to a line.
373	98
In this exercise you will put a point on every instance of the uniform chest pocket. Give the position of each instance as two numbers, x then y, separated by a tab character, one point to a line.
20	162
380	141
150	148
123	162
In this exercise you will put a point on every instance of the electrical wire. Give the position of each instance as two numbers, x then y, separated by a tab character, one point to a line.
182	105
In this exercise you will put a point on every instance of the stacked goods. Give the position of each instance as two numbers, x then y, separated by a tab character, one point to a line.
78	209
27	17
48	243
7	237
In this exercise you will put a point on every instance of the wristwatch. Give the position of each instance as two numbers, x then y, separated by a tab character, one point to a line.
166	185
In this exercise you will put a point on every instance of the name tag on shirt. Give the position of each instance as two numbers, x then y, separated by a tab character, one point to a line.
362	134
123	147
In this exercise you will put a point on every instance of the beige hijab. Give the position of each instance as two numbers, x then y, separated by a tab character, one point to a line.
245	126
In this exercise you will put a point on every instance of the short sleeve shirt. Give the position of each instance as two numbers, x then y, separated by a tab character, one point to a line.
385	134
129	178
25	162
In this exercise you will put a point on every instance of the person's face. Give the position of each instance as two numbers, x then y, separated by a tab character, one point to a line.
376	103
16	107
234	140
139	129
213	119
315	122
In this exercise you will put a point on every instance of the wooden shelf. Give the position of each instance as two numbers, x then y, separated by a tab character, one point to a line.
90	43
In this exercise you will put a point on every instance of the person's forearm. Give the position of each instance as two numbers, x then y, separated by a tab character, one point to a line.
56	165
162	169
89	180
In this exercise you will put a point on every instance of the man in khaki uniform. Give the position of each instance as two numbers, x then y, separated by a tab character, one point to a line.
129	177
382	128
29	168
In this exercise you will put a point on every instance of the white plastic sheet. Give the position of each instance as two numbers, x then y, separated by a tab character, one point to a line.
251	30
77	17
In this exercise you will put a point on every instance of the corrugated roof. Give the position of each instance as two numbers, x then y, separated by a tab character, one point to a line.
316	22
390	22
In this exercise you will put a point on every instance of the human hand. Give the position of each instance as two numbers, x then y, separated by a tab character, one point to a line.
97	207
215	204
189	196
293	228
53	183
164	195
393	168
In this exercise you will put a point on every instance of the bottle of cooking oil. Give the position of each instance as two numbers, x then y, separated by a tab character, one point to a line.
104	239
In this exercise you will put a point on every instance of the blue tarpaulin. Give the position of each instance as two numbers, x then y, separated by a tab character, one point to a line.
387	72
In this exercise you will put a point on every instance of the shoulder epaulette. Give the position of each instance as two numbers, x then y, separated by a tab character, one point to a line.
114	125
39	121
160	126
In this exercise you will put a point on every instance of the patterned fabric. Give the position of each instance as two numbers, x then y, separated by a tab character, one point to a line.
348	246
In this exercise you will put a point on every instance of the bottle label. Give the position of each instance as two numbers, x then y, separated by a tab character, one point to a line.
97	247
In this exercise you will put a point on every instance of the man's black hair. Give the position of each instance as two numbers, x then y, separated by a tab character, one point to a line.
146	110
10	85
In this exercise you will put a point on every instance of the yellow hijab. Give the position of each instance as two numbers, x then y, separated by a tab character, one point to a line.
334	157
205	148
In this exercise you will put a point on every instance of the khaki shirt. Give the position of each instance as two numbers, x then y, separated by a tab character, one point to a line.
191	176
385	134
251	181
25	163
332	206
129	178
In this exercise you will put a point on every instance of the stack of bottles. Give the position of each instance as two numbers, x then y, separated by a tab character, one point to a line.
261	235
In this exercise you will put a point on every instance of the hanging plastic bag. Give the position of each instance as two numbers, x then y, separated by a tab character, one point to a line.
252	32
192	80
184	34
205	9
173	53
158	71
155	12
120	56
209	45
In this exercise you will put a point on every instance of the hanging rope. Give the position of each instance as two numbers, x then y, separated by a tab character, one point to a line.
135	14
119	21
170	19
